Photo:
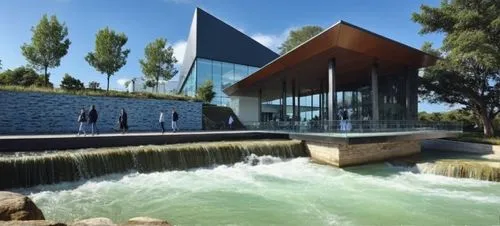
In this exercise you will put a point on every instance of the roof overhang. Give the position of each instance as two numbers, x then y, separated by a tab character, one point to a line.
354	49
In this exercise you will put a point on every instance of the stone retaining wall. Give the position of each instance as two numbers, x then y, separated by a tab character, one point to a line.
449	145
35	113
342	155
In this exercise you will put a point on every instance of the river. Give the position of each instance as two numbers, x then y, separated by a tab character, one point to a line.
268	190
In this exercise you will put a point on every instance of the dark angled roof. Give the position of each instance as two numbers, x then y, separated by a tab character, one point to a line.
213	39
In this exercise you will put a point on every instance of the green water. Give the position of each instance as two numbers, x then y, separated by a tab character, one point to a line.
280	192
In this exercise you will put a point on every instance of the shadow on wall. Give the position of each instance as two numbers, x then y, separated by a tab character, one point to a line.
45	113
217	118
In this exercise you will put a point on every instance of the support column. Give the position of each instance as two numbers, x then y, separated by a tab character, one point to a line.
283	101
294	111
298	103
312	106
408	91
320	97
374	75
331	89
260	106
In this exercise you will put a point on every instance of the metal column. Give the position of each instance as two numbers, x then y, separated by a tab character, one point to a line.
374	75
331	89
294	111
260	106
283	101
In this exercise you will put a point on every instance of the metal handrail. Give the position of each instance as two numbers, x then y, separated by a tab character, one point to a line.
354	126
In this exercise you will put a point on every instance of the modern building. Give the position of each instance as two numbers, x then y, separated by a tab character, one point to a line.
218	52
344	68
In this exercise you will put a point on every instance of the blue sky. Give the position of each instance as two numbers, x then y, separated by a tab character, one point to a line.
145	20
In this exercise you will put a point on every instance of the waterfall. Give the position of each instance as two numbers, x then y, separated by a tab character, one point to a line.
30	169
475	169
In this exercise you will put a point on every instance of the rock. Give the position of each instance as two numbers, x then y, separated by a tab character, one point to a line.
30	223
14	206
98	221
147	221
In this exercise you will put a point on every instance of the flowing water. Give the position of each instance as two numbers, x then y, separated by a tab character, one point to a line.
268	190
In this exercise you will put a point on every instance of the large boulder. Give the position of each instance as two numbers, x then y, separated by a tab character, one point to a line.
30	223
98	221
14	206
147	221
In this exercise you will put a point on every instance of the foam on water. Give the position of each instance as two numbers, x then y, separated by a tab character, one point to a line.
268	190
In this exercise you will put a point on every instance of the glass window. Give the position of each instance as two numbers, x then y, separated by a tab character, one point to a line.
252	70
203	70
227	74
217	80
240	72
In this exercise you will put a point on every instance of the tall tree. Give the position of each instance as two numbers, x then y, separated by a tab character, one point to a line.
468	72
299	36
48	45
158	62
109	55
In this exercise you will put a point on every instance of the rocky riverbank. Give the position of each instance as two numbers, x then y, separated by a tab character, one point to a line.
20	210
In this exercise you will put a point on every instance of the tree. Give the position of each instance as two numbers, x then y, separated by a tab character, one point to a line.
158	62
468	72
0	64
206	91
150	83
94	85
48	45
70	83
108	56
22	76
299	36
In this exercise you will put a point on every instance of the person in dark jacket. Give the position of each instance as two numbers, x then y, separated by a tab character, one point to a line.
93	120
175	117
82	119
123	121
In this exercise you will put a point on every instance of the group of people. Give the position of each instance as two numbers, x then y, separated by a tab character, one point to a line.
122	121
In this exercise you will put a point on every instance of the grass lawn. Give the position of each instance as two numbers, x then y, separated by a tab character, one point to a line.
476	138
99	92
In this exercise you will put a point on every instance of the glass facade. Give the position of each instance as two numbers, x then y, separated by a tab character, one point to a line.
222	74
392	99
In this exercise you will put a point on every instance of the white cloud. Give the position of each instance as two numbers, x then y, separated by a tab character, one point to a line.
179	50
272	41
122	81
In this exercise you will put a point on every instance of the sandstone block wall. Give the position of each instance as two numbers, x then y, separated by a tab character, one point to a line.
342	155
37	113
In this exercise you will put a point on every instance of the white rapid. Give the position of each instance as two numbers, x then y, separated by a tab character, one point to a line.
268	190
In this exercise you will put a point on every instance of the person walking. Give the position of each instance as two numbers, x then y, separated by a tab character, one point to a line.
82	119
175	117
162	122
93	120
123	121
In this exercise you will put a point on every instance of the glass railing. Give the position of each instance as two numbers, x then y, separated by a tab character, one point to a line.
354	127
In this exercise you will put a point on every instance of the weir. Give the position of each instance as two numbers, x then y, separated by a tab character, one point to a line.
479	170
33	169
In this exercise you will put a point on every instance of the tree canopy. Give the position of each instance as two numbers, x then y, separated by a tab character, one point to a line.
93	85
299	36
206	91
468	71
108	56
22	76
70	83
48	45
158	62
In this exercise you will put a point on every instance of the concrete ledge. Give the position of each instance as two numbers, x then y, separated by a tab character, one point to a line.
64	142
449	145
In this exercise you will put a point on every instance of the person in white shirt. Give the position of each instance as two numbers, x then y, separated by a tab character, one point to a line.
162	122
230	122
